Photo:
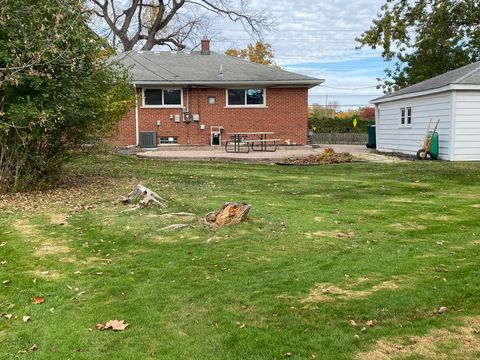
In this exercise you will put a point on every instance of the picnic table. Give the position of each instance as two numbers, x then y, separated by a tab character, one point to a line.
250	139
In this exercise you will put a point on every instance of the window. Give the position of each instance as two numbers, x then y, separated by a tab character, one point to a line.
246	97
406	117
168	140
162	97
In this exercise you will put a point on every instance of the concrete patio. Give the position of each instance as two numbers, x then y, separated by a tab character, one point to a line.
208	153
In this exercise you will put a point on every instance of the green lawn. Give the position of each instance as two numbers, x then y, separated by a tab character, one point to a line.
325	250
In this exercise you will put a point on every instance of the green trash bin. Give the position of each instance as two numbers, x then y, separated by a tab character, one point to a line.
372	137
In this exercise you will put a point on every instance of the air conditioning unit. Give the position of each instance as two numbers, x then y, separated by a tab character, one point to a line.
148	139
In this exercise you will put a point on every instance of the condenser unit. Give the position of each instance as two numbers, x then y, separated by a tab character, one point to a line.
148	139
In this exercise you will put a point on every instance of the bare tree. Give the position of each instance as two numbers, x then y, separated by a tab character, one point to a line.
146	23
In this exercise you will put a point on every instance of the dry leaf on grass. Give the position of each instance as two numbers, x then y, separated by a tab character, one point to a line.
25	318
38	300
8	316
115	325
30	349
442	310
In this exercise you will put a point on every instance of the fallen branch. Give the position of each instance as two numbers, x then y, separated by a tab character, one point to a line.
146	195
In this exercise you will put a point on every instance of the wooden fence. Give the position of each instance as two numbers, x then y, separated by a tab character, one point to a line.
340	138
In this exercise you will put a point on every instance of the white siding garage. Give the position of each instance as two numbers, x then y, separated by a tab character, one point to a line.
402	118
392	135
467	125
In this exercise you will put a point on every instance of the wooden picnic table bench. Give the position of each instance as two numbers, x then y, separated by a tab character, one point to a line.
241	138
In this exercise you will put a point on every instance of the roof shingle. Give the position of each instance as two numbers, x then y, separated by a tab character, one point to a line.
164	67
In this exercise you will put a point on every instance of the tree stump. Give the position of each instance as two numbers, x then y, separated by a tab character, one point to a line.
146	195
228	214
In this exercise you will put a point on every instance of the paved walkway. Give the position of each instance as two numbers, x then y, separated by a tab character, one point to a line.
209	153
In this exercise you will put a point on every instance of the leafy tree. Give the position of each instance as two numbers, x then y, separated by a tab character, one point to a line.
260	53
367	113
148	23
56	89
424	38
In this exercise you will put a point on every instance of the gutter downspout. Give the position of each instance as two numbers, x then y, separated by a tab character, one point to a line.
137	133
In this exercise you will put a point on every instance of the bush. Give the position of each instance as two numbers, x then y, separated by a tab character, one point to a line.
335	125
56	88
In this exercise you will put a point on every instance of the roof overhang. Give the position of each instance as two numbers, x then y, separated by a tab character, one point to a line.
232	83
451	87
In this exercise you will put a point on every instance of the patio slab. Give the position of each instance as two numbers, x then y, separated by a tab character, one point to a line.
208	153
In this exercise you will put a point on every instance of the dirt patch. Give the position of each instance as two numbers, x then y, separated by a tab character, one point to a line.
326	292
319	218
165	240
408	226
453	343
59	219
429	217
47	274
50	248
26	229
330	234
73	189
373	211
476	242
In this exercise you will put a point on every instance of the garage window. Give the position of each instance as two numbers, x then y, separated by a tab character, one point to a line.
406	117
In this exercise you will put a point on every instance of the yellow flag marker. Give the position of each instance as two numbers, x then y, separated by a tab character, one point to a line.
355	122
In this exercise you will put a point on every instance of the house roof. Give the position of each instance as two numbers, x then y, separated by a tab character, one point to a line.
466	75
214	69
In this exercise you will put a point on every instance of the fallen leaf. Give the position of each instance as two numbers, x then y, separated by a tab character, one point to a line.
442	310
115	325
370	323
33	347
8	316
45	272
77	272
5	282
25	318
99	273
242	326
38	300
353	323
3	262
182	333
34	280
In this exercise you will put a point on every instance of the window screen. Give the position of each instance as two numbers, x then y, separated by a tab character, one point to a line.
153	97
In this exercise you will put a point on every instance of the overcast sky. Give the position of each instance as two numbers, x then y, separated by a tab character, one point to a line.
317	38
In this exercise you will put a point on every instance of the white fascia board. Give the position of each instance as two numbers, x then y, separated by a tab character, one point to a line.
427	92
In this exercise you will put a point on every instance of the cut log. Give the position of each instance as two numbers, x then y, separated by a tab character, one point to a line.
228	214
147	197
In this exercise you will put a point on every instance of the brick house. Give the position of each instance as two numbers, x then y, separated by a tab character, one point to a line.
197	98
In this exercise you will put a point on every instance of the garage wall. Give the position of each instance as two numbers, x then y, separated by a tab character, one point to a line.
467	125
392	137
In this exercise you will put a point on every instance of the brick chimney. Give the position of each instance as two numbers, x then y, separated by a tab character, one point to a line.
205	46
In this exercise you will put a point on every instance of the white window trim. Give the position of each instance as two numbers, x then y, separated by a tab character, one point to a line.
258	106
406	124
163	100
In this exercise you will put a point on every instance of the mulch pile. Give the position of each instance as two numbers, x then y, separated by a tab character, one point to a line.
328	156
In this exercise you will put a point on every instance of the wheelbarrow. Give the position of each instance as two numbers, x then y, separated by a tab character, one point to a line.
430	143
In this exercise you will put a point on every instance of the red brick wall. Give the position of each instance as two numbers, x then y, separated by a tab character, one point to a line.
286	115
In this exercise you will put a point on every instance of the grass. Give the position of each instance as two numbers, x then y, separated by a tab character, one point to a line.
323	246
